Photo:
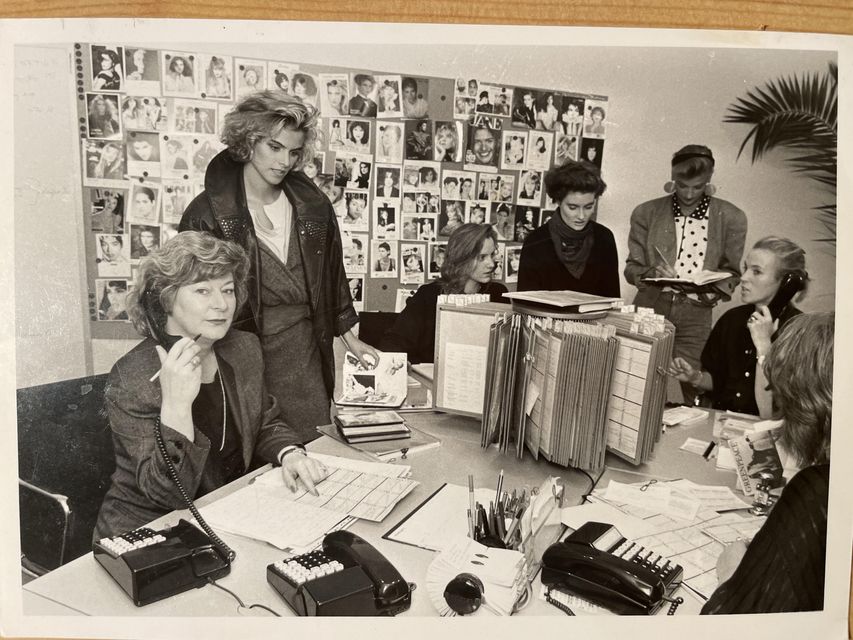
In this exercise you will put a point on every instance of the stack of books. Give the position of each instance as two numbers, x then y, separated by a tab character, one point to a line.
371	426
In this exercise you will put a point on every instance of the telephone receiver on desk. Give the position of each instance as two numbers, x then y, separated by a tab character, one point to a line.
599	565
792	283
349	577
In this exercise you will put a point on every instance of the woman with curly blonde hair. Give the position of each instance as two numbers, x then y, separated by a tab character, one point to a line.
299	296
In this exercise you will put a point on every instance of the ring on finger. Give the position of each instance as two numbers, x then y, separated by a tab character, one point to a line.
196	361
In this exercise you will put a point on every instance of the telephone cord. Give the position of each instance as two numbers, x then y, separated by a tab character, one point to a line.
239	601
173	474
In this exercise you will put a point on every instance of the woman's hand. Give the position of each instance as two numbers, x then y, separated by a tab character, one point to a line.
180	379
296	466
761	328
367	355
729	560
682	370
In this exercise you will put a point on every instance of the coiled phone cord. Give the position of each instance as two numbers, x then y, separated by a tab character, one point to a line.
173	474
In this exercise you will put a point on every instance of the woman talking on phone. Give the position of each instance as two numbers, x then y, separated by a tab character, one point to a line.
299	297
209	400
732	369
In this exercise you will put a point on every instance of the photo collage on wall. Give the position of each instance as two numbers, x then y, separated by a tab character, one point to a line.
400	179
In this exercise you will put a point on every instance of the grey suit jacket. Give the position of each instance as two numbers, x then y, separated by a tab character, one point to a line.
141	488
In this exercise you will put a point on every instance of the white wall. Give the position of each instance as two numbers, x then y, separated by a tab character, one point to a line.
660	99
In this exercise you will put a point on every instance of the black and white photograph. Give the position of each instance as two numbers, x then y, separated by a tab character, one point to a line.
363	90
111	296
103	118
112	255
334	94
179	74
143	154
681	190
385	218
104	163
483	148
540	149
389	96
356	216
142	71
144	239
383	259
415	97
389	142
107	68
107	209
144	205
217	81
280	75
448	141
412	257
514	150
250	76
387	185
418	137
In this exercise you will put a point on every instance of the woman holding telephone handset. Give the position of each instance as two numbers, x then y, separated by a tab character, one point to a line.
209	400
732	361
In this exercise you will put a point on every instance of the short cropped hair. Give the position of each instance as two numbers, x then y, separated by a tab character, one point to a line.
264	114
799	373
574	177
692	161
187	258
463	247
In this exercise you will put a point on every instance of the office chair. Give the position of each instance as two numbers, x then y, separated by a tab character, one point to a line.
46	522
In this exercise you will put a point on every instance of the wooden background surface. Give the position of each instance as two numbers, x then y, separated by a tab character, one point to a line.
825	16
818	16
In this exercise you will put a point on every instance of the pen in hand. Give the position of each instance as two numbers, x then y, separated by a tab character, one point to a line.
670	271
157	375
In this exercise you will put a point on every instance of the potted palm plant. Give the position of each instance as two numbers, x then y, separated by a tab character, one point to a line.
800	114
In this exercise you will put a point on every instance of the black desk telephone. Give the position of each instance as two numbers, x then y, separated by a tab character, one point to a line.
152	565
347	578
598	564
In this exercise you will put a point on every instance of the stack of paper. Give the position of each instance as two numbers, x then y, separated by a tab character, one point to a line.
503	573
297	521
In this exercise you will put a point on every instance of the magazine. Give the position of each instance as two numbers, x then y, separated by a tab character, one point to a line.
384	385
755	453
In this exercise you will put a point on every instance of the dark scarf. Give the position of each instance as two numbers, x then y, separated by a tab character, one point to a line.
573	248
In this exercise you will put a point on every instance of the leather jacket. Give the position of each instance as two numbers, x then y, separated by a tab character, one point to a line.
221	209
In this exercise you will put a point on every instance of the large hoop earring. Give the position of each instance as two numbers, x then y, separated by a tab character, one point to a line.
669	187
710	190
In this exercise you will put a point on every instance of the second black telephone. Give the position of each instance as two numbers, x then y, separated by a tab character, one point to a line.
347	578
598	564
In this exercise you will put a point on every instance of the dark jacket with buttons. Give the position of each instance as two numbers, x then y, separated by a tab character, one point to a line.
221	209
141	488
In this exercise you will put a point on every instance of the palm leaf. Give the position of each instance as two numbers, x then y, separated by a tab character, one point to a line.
799	114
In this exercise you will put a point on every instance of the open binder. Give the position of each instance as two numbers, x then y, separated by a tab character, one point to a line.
563	389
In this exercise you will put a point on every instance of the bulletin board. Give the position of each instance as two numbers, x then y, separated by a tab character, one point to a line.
405	160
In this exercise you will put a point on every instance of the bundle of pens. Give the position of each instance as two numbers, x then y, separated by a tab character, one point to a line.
500	526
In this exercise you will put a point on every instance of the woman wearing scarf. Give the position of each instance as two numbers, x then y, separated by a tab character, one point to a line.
571	252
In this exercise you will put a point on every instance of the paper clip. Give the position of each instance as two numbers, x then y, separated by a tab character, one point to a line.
648	484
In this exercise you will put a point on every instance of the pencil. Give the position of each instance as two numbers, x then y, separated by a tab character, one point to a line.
663	257
472	510
157	375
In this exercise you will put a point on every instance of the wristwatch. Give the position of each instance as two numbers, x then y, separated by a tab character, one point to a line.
288	449
761	360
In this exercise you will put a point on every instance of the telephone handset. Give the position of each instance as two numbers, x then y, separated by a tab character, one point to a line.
348	577
598	564
792	283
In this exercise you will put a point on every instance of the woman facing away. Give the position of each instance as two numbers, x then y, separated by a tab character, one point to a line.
299	297
783	567
468	267
209	403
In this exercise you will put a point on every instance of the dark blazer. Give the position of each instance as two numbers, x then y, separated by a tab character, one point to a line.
221	209
541	270
141	489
